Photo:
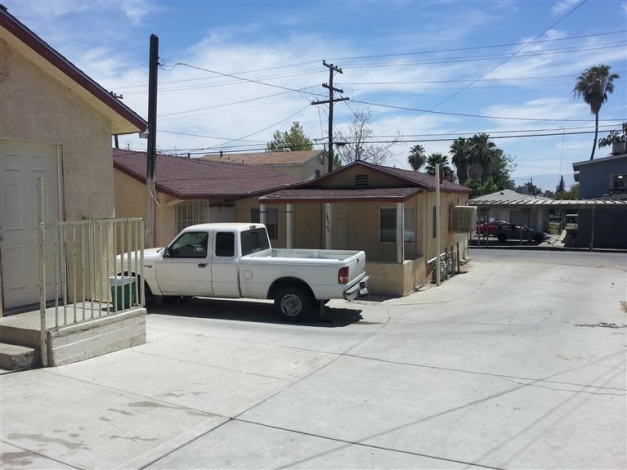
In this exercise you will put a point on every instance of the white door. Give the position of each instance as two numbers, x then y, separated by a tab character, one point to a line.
21	164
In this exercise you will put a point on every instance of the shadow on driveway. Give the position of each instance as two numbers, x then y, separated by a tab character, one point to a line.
248	311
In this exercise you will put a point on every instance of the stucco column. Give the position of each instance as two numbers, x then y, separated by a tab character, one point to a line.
290	225
262	213
328	226
400	232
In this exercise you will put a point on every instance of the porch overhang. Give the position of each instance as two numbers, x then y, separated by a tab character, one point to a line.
331	195
549	204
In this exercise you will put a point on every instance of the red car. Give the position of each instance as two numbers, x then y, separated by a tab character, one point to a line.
489	228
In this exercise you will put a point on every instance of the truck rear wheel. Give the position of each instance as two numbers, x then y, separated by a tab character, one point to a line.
293	304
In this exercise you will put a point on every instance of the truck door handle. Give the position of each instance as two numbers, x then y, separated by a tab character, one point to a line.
202	265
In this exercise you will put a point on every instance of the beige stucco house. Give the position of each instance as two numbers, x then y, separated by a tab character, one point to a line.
303	165
55	123
372	208
192	191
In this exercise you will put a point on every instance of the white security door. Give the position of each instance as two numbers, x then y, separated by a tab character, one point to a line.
21	163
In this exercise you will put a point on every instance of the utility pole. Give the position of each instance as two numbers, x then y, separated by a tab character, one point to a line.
151	153
332	68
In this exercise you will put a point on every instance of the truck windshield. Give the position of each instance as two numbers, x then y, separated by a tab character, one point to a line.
254	240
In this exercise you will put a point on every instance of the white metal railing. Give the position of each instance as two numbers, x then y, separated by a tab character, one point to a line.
79	279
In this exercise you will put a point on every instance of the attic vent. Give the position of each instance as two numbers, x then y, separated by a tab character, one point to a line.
361	181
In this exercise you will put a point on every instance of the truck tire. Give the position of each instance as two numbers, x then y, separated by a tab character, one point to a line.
502	237
293	304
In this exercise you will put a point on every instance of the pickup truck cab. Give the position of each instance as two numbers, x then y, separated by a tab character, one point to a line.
236	260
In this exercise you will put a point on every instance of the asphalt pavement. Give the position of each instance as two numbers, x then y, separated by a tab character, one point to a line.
519	362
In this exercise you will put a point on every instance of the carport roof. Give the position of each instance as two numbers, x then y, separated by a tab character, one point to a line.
548	203
341	195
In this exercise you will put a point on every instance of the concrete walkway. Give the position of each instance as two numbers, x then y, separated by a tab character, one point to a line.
519	363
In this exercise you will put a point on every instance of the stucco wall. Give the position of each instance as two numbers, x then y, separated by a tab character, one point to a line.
36	108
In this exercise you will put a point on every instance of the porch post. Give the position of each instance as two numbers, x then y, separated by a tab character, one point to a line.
592	230
289	223
43	333
262	213
328	226
400	232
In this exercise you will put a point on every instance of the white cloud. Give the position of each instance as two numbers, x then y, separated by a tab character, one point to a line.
563	6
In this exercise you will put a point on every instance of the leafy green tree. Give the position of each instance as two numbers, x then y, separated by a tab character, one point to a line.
614	137
293	140
482	153
561	186
442	160
594	85
416	157
478	188
572	193
501	168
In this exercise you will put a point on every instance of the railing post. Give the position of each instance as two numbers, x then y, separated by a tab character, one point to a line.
43	343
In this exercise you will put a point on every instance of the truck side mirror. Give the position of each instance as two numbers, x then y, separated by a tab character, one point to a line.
166	252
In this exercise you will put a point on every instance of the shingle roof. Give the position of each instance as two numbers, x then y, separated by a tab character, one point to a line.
190	178
508	195
17	29
414	178
266	158
343	195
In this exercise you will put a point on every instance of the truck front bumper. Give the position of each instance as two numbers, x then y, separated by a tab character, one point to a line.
359	289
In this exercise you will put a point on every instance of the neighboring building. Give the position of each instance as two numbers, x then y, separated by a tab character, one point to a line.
192	191
510	206
56	123
603	179
372	208
303	165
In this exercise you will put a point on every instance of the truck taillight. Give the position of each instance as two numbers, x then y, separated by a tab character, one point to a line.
342	275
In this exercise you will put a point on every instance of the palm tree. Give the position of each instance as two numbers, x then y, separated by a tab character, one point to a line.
481	151
460	151
442	160
593	85
416	157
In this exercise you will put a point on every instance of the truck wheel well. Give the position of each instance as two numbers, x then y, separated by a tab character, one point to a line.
288	281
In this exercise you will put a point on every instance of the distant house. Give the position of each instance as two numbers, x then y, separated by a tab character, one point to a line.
389	213
303	165
510	206
192	191
603	179
56	123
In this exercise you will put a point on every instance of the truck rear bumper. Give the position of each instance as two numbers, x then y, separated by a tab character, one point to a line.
359	289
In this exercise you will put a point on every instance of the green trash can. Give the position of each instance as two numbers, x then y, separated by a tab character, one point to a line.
123	292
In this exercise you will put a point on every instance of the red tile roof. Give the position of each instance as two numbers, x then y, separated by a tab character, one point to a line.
266	158
191	178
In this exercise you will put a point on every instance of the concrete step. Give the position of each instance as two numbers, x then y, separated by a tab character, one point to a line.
14	357
22	329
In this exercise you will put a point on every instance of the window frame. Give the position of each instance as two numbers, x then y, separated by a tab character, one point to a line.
406	220
271	227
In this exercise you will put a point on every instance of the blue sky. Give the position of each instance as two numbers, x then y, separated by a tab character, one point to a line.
233	72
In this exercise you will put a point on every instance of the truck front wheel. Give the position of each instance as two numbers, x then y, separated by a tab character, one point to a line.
293	304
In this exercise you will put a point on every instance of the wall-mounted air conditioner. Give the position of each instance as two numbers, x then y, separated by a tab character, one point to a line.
462	219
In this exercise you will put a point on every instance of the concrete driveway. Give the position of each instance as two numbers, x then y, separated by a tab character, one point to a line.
518	363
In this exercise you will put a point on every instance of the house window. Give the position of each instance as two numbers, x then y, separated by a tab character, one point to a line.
618	183
361	181
272	221
191	213
387	228
317	174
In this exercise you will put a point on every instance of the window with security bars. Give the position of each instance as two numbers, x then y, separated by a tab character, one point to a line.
272	221
191	213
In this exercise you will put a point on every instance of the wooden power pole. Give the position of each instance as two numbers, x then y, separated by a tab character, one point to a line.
332	68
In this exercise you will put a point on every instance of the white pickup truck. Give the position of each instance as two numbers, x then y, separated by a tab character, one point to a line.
235	260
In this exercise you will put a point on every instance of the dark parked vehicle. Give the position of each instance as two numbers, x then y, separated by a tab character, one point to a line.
519	232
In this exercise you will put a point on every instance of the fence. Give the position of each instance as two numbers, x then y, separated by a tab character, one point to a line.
84	270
